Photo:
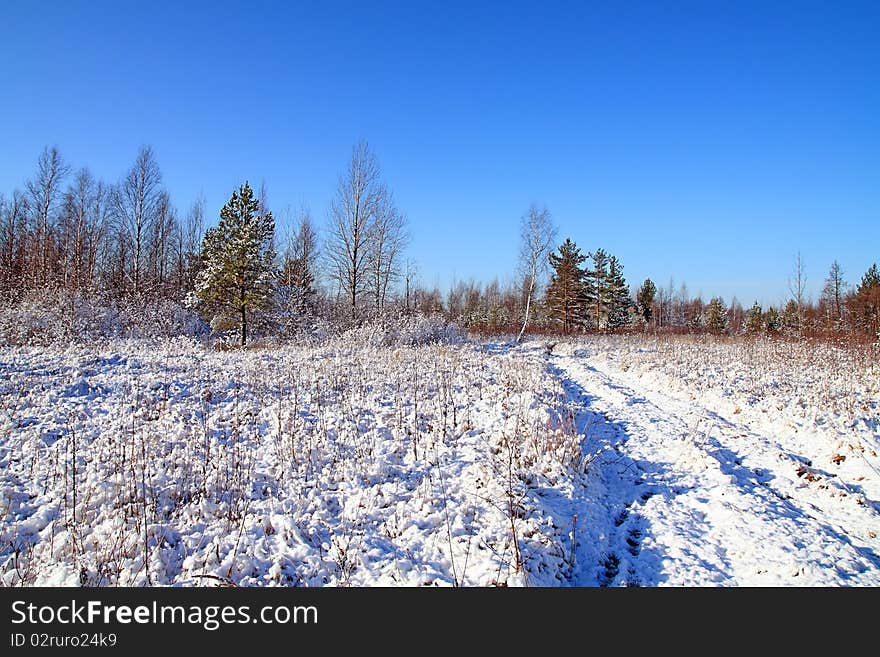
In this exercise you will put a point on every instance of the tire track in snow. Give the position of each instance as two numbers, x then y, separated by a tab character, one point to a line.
682	496
609	553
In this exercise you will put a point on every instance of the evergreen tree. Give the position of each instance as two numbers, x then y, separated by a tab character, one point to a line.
791	316
645	299
597	289
565	293
867	300
695	314
871	278
239	271
617	294
755	319
772	320
716	316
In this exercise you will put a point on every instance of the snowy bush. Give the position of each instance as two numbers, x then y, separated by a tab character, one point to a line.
406	331
423	329
61	318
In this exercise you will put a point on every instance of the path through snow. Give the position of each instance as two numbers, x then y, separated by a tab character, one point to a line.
682	495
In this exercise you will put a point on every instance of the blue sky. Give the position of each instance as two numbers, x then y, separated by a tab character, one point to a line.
705	141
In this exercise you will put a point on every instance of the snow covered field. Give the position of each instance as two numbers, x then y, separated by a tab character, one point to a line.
668	461
333	465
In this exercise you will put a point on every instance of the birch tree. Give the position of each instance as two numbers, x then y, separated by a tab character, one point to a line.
84	229
387	240
296	296
138	200
45	194
537	234
349	231
797	287
13	231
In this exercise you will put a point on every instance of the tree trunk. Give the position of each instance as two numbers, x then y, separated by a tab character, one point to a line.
243	321
528	308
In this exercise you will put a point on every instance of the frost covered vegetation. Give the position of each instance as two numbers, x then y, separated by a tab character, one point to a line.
84	259
817	381
374	458
341	464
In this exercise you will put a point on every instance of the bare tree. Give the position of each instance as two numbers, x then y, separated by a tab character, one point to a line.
537	234
388	238
665	303
351	215
410	275
299	270
797	287
138	200
45	192
84	228
163	235
101	219
305	245
13	231
833	294
194	226
189	246
73	229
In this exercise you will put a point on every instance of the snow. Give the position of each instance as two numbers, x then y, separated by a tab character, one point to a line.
336	465
722	478
610	461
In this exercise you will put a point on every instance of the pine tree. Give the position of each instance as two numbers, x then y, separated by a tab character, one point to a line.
755	319
772	320
867	300
645	299
565	293
597	289
617	293
716	316
239	271
695	314
791	316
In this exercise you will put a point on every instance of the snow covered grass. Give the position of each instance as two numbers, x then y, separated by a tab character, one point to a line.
832	388
167	463
373	459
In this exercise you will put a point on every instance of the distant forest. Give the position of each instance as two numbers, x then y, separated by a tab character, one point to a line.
82	257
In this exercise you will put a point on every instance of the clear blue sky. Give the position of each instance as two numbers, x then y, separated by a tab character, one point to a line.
708	141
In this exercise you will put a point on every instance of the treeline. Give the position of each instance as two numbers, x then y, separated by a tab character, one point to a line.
842	309
83	251
82	256
499	306
68	230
